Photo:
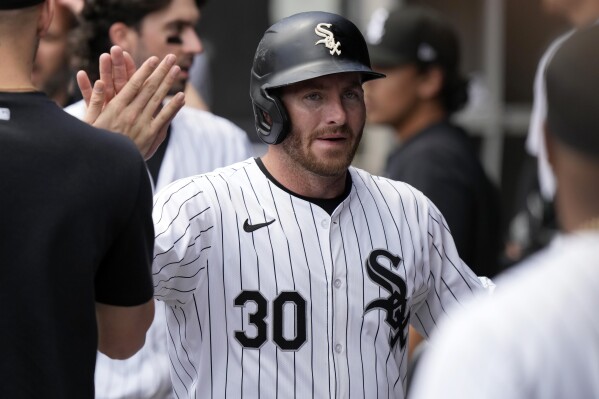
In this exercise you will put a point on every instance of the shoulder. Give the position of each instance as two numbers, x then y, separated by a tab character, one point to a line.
76	109
444	140
539	320
206	123
385	187
217	179
553	278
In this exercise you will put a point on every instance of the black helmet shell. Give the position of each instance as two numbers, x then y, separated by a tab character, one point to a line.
297	48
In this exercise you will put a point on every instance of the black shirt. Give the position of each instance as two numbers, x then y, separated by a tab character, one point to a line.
441	162
75	229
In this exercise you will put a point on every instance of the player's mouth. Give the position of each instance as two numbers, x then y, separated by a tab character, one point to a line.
333	138
184	73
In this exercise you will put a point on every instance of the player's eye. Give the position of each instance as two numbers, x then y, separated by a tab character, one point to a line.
353	94
174	39
175	33
313	96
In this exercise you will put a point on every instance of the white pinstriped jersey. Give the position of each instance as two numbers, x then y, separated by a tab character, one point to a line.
200	142
270	296
537	337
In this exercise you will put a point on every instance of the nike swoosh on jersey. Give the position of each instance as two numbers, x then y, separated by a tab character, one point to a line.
253	227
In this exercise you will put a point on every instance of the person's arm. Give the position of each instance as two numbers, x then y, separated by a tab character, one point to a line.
122	330
123	279
448	280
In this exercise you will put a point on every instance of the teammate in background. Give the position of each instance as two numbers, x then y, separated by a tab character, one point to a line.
76	230
419	53
197	142
537	337
294	274
52	71
534	225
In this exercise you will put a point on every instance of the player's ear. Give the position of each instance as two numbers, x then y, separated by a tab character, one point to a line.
431	83
45	18
123	36
267	118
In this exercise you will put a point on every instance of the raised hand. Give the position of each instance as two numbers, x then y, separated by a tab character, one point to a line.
130	102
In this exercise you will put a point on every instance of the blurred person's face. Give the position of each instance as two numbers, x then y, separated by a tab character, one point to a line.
577	12
559	6
51	67
171	30
392	100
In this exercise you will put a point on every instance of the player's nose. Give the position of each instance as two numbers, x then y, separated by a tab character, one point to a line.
335	111
191	42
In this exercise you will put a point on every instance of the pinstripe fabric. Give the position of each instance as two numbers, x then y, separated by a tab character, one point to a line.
200	142
307	306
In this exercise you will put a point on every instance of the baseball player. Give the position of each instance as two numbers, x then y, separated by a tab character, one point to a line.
294	274
198	142
76	232
538	336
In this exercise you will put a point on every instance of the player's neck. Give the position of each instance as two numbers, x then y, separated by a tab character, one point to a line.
425	116
301	181
15	73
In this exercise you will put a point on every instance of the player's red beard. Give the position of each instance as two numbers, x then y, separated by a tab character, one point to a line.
299	148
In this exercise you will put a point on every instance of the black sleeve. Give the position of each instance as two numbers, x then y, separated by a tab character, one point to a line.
445	184
124	278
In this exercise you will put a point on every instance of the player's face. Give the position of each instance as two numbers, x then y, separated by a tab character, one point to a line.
171	30
327	118
392	100
51	67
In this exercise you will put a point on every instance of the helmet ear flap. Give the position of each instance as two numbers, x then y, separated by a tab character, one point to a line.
275	130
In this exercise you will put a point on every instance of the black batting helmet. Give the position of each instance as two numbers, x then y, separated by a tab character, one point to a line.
297	48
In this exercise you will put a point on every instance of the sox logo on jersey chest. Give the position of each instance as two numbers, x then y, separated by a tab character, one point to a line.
395	304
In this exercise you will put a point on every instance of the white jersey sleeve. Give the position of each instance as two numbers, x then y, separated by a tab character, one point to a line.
447	280
184	227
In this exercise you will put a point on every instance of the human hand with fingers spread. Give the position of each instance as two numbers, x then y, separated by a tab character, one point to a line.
129	102
115	70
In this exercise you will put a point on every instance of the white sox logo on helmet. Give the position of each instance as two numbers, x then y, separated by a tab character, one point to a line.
329	38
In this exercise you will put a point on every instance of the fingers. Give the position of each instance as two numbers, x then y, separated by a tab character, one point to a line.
85	86
129	64
119	69
106	75
165	85
134	85
163	120
155	88
96	102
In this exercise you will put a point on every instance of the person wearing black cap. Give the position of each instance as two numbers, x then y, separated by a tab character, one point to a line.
76	232
418	51
538	336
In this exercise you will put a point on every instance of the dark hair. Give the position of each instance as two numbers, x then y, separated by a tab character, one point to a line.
98	16
454	91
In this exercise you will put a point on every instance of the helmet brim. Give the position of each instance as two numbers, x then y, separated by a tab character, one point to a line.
317	69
